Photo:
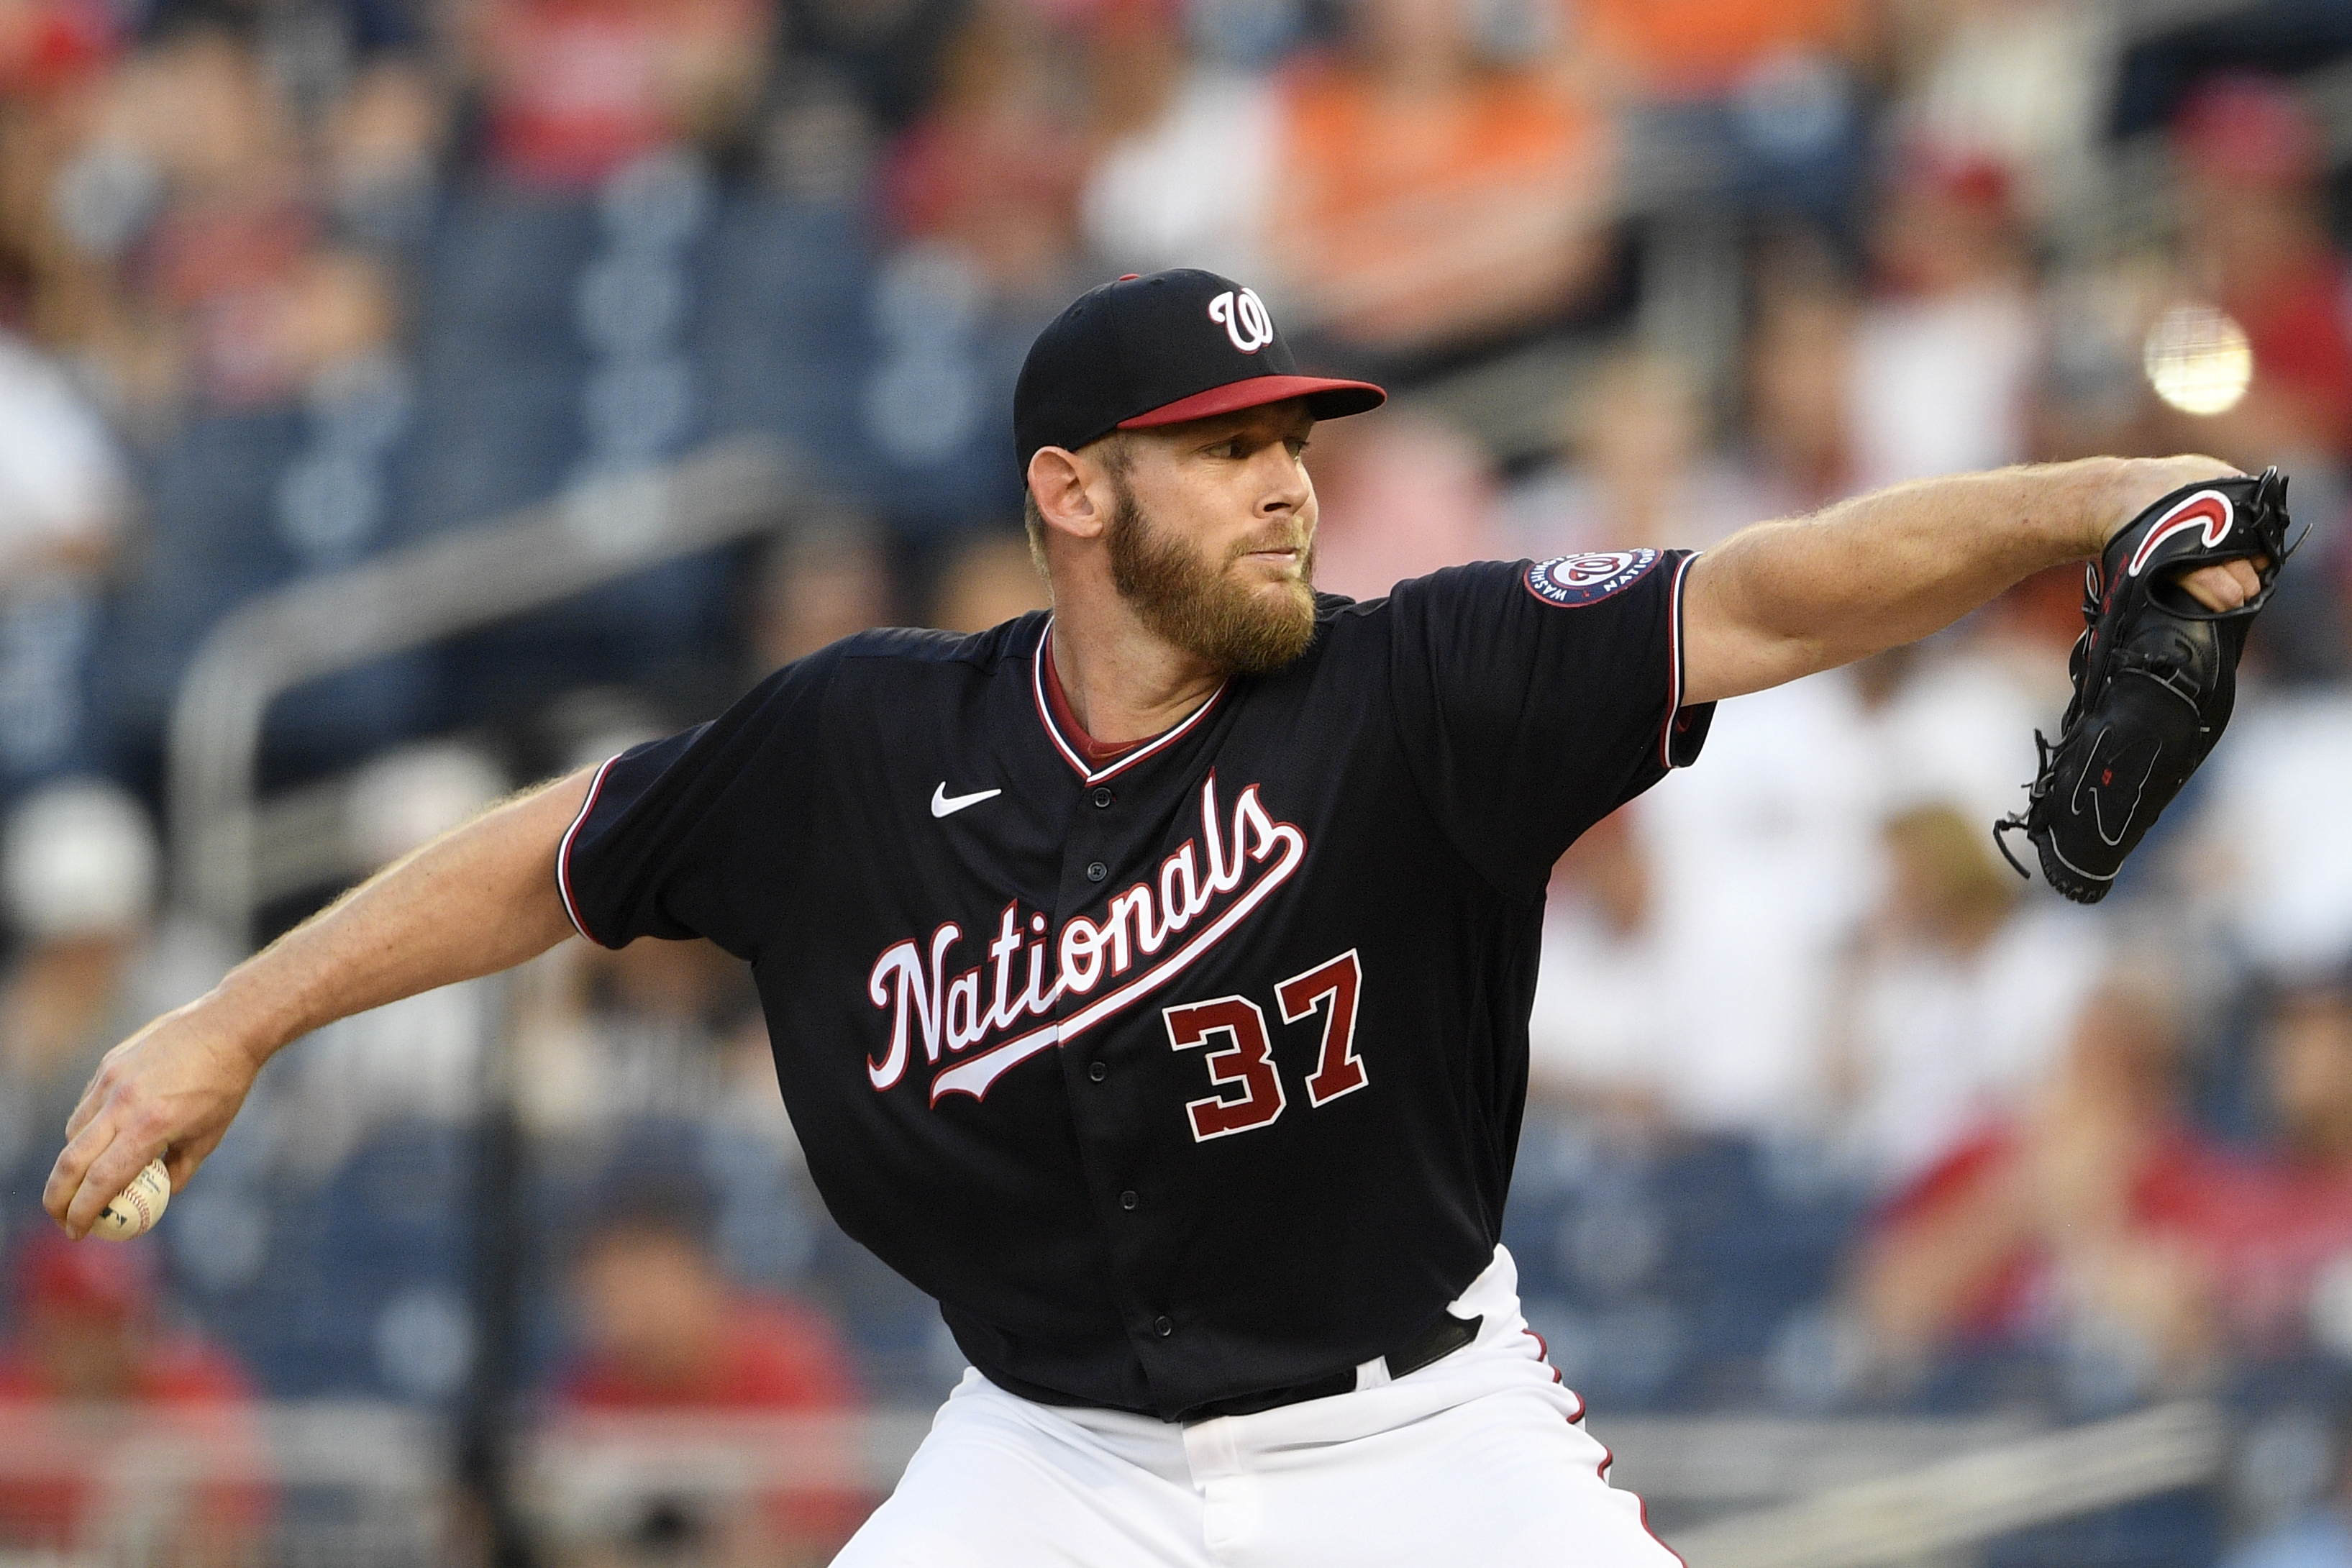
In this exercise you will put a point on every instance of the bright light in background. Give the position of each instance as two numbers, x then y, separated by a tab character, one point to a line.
2198	358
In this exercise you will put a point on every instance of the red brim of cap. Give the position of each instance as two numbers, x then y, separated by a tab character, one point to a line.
1326	399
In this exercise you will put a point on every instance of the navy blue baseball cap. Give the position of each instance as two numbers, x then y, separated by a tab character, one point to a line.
1159	350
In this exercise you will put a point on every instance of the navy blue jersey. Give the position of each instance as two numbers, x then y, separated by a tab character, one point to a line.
1191	1075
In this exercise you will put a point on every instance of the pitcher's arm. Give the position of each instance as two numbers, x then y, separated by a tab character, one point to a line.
1784	599
479	899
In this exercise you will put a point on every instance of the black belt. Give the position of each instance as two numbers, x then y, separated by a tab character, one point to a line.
1435	1343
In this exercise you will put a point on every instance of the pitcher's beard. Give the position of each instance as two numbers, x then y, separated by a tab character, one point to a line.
1202	609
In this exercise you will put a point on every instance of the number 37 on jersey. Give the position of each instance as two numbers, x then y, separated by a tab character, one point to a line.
1240	1058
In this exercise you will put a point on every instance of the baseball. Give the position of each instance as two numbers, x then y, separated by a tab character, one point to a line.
2197	360
137	1207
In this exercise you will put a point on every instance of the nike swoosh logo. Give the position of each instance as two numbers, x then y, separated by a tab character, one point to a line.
946	804
2109	785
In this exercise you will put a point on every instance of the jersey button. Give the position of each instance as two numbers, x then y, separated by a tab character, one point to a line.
1164	1325
1103	797
1097	870
1127	1200
1098	1072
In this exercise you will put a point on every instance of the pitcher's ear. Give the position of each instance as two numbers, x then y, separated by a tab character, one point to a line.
1057	485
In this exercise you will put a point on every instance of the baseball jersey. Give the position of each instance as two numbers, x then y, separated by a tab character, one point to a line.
1198	1072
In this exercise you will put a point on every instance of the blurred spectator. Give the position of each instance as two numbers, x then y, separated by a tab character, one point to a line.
1944	354
818	142
1639	471
1185	175
65	505
1428	192
575	89
1691	948
2058	1218
1600	1036
2272	858
1757	866
289	465
2092	397
192	210
1763	864
89	1333
1760	866
979	198
1410	498
1799	365
990	580
56	60
2097	1209
2273	1227
329	58
670	1016
662	1331
2254	241
1954	721
888	50
2023	79
200	571
80	869
226	250
1961	997
328	310
1752	100
815	588
78	872
2253	165
994	166
660	1029
383	141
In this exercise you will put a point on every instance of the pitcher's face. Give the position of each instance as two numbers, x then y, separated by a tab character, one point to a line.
1212	539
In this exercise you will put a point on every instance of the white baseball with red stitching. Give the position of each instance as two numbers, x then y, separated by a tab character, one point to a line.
137	1207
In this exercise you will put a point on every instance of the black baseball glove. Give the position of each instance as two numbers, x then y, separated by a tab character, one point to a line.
2155	676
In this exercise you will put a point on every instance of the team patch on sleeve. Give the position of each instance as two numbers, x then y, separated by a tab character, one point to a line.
1569	580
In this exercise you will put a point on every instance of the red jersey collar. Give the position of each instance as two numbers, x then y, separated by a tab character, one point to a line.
1094	760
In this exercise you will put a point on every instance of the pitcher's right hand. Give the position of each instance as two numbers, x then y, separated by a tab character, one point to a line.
171	1090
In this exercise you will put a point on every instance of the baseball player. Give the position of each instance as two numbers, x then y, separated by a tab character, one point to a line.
1148	979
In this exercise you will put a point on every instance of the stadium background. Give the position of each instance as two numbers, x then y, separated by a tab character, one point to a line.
401	400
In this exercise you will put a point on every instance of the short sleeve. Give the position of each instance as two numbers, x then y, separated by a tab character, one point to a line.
1535	697
702	834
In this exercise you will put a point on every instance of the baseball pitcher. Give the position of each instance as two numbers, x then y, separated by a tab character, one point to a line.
1148	979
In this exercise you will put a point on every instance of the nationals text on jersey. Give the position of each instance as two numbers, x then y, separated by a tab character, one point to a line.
950	1013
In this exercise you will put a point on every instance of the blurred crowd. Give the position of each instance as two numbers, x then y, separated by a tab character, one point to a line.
1830	1111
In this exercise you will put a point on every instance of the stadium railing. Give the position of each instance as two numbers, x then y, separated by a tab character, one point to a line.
227	859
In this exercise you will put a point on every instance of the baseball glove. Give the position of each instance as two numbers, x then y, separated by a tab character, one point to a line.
2155	676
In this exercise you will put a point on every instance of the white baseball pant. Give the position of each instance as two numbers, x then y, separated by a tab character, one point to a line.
1479	1458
